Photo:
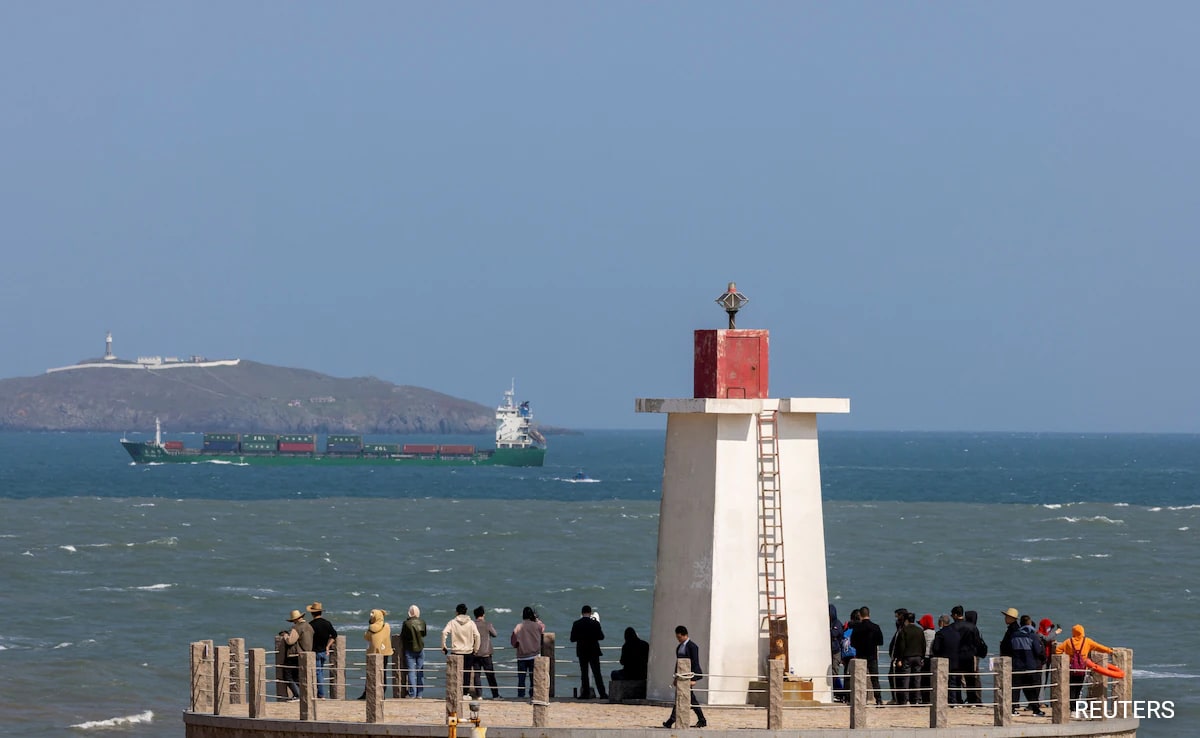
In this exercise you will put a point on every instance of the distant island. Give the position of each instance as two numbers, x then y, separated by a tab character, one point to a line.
199	394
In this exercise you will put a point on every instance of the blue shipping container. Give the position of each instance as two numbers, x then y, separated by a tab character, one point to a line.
221	447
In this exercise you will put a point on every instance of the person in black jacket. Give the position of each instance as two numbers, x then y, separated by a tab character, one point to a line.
324	636
866	639
586	634
908	654
895	673
945	646
1024	646
972	647
687	649
635	654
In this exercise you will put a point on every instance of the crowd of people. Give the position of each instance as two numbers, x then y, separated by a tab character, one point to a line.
915	642
465	636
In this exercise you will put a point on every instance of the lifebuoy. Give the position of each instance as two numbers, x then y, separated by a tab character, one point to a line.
1109	670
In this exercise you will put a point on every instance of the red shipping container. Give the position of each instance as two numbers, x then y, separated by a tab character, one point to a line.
457	450
732	364
173	445
420	448
297	448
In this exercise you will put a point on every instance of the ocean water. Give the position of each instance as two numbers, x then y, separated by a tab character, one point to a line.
108	570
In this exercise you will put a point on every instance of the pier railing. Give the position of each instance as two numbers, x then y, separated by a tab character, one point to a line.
226	676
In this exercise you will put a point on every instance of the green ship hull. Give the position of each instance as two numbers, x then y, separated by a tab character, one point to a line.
518	443
148	453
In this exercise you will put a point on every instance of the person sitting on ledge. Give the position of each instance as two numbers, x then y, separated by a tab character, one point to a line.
635	654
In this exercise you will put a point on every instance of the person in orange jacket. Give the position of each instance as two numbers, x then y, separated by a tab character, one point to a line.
1078	646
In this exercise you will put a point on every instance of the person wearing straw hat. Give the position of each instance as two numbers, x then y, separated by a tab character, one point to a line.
324	635
299	638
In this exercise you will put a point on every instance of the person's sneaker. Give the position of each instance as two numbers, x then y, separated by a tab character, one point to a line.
1039	713
668	724
1016	711
701	724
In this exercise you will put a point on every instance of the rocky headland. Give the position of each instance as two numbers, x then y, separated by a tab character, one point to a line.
243	398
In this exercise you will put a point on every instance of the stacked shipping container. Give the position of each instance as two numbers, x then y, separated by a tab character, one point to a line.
343	444
298	443
306	443
222	443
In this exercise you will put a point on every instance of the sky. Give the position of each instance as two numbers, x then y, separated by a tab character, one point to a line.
961	216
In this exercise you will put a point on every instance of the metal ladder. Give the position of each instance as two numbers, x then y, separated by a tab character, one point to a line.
770	544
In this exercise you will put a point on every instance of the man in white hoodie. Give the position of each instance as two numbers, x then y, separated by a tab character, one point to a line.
464	640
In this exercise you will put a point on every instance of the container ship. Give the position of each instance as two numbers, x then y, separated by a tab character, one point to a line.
518	443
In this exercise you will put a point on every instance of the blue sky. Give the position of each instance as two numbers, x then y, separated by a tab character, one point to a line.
962	216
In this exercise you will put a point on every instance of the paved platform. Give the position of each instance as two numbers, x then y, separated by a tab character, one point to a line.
583	719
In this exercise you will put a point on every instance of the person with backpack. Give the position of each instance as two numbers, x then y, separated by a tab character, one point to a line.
846	649
835	649
1078	646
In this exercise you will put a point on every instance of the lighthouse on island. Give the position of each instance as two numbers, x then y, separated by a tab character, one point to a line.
741	539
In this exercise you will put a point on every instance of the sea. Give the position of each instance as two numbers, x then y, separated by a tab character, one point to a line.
109	570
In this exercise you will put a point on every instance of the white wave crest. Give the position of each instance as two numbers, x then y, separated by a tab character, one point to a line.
1145	674
1093	519
152	587
1185	507
68	547
116	722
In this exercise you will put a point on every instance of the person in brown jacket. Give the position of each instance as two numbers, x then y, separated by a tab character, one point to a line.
379	640
299	638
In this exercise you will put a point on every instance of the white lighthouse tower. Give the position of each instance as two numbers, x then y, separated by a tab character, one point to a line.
108	354
741	478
